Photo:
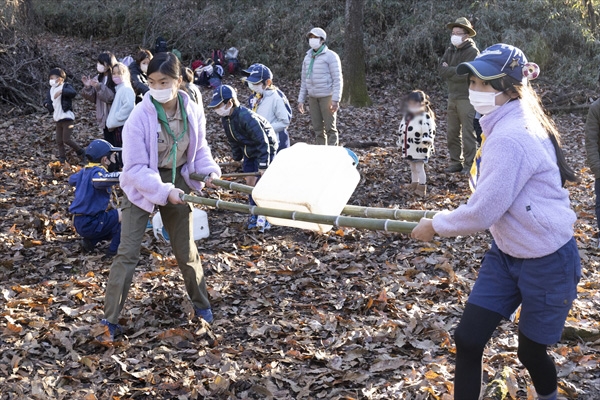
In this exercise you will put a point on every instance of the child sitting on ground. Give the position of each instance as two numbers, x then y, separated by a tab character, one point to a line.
416	135
92	219
250	136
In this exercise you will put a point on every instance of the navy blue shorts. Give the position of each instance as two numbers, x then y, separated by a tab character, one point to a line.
250	165
544	287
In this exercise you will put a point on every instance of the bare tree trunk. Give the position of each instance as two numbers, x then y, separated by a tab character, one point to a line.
355	84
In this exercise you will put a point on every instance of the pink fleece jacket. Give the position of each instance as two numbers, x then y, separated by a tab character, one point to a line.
519	196
140	179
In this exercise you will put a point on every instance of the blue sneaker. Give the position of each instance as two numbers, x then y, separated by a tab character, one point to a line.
206	314
252	221
114	330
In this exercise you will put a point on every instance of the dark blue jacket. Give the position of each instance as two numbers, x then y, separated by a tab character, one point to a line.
66	100
91	197
250	136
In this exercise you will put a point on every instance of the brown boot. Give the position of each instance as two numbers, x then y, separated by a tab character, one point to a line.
410	186
421	190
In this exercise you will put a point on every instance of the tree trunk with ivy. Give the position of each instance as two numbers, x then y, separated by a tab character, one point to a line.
355	83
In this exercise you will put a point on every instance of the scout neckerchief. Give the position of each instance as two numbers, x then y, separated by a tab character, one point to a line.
162	118
475	168
256	101
312	60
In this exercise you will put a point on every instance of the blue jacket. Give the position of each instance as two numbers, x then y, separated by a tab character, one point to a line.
91	198
250	136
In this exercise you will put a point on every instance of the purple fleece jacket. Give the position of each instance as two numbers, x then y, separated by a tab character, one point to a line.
519	196
140	179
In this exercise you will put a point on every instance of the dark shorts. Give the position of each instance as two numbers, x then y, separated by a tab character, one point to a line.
250	165
284	140
544	287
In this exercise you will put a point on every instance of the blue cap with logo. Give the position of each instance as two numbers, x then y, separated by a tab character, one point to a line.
258	73
498	61
221	94
98	149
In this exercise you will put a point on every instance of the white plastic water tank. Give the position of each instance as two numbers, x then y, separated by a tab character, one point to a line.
308	178
200	220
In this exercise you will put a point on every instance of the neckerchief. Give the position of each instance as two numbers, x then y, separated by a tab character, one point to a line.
312	60
256	101
162	118
475	167
93	164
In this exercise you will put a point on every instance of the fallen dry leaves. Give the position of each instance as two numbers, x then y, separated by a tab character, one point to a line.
346	315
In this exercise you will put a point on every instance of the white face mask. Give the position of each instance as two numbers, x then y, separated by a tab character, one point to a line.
100	68
456	40
224	111
314	43
415	110
257	88
53	83
162	95
484	102
144	68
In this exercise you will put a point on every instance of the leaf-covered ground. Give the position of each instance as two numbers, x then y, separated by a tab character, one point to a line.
346	315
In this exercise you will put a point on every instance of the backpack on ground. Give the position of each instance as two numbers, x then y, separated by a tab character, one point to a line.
160	46
217	57
233	65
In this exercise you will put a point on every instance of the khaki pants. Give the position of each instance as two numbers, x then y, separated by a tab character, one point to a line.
323	121
462	140
64	129
177	220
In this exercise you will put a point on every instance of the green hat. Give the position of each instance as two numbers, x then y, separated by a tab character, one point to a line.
464	23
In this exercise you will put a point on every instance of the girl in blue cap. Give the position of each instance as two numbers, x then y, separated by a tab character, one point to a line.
518	180
270	102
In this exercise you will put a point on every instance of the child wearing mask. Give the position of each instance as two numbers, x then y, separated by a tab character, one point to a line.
164	141
188	85
122	104
92	220
270	102
251	137
416	136
138	69
59	104
100	90
518	180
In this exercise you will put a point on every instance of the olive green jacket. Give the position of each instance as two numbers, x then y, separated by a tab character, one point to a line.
458	85
592	138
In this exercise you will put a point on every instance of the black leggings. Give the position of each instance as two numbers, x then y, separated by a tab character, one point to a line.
472	334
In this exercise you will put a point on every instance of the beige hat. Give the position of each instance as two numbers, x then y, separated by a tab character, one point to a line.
464	23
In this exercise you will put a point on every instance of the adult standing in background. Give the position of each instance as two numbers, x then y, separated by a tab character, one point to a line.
462	141
322	84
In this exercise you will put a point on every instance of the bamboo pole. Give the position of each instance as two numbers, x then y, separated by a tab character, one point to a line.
240	174
355	211
335	220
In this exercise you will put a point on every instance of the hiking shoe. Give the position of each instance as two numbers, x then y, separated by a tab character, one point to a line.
453	169
252	220
114	330
87	246
206	314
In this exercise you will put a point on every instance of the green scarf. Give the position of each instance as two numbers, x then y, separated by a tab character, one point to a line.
162	118
312	60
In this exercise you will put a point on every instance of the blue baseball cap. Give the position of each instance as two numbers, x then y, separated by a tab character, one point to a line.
98	149
495	62
258	73
221	94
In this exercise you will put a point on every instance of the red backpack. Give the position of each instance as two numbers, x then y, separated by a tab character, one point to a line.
217	56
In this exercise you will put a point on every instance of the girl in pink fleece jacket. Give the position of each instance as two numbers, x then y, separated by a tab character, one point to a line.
163	143
518	180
